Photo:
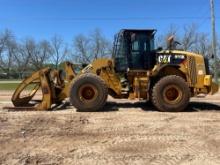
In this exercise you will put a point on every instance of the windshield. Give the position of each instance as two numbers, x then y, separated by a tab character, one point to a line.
131	49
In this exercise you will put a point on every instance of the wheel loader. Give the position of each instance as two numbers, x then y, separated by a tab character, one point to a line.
168	78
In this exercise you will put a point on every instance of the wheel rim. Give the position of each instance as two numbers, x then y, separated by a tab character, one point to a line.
172	94
88	93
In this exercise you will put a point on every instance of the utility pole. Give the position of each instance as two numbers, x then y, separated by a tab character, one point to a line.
214	51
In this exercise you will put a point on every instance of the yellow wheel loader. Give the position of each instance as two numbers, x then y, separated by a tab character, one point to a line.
167	78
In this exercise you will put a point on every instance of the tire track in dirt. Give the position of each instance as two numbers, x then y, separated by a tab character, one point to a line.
127	136
132	146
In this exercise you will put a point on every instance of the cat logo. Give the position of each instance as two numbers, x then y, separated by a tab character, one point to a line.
164	59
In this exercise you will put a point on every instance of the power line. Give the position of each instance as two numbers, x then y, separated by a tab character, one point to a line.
204	20
107	18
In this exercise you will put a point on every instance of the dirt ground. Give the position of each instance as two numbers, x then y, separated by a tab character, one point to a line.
125	133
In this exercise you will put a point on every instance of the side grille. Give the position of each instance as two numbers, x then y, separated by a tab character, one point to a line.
207	65
192	70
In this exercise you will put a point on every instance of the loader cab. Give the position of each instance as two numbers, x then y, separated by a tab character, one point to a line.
133	50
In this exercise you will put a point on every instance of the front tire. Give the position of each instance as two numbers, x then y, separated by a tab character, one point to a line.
171	94
88	93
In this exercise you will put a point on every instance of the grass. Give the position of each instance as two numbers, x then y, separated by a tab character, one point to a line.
12	85
8	86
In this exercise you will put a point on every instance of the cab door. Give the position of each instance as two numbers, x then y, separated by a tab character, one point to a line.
139	50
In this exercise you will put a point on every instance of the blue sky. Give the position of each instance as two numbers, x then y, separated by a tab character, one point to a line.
42	19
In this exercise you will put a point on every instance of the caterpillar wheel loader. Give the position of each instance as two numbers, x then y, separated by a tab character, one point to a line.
167	78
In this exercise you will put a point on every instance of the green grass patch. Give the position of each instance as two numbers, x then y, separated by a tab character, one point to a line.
8	86
11	86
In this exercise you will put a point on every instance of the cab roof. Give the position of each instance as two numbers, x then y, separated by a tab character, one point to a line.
151	31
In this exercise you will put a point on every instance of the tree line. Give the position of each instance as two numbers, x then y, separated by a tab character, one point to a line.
18	57
190	39
21	57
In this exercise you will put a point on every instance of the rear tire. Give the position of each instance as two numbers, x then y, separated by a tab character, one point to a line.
171	94
88	93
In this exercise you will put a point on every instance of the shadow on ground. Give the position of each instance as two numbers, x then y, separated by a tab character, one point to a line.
203	106
145	106
193	106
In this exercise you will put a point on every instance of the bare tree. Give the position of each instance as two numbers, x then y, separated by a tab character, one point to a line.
22	59
100	45
32	53
190	37
59	49
44	51
29	51
218	56
89	48
202	45
82	49
3	40
161	40
172	31
7	49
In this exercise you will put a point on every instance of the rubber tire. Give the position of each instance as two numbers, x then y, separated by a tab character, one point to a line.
157	96
98	83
